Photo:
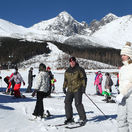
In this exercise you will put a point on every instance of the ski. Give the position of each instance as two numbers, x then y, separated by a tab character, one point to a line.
57	125
75	126
63	124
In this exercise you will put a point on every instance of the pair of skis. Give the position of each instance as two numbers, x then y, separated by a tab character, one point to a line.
69	126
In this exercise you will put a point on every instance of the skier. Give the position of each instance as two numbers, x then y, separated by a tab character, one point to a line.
9	84
98	82
97	90
41	89
108	85
124	99
30	80
74	87
50	75
6	79
53	84
117	83
18	80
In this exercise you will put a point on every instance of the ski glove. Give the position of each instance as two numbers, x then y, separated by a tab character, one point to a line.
119	98
23	83
34	93
64	90
83	89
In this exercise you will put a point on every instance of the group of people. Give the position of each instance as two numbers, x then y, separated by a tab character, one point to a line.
107	87
15	79
74	87
124	97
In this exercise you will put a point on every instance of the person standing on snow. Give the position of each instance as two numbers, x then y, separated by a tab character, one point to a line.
6	79
124	99
41	88
18	80
74	87
98	82
30	80
53	84
108	85
50	75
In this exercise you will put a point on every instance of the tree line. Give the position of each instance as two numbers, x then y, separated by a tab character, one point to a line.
15	50
106	55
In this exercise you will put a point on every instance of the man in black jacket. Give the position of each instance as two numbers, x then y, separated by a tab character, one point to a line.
75	81
30	80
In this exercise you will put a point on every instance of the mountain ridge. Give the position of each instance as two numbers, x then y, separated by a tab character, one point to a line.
63	26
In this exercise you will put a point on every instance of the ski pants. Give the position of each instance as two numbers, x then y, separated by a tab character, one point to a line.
124	118
29	88
39	108
100	88
17	90
78	103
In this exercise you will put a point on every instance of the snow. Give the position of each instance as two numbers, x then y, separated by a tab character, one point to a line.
116	33
15	113
113	34
56	56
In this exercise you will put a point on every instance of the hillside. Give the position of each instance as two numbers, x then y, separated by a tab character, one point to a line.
99	41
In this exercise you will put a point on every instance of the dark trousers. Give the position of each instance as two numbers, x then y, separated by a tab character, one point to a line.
78	103
39	108
29	88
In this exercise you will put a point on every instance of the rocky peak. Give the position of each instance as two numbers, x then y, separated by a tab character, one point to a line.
96	25
107	19
63	24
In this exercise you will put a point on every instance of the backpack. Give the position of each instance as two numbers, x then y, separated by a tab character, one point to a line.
110	82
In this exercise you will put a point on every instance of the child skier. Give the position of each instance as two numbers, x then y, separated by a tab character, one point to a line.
98	82
53	83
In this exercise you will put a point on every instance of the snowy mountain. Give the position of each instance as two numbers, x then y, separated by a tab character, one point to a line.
63	24
110	31
116	33
96	25
83	41
7	29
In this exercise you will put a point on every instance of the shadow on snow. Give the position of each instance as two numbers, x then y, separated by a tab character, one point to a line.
6	107
59	116
102	118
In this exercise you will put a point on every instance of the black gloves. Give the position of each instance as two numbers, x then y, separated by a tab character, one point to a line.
34	93
64	90
83	89
34	75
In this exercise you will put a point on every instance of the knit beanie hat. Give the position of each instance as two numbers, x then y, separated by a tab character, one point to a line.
42	67
127	50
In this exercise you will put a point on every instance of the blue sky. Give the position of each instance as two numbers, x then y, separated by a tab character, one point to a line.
29	12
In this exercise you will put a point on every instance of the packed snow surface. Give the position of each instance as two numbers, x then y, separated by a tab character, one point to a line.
15	113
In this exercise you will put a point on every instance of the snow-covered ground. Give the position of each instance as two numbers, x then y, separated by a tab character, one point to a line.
15	113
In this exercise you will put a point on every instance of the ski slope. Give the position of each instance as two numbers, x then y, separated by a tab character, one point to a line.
15	113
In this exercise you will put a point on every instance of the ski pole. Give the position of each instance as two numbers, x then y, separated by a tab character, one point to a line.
100	110
96	106
117	90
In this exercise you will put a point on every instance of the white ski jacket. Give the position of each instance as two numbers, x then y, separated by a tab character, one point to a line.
125	80
42	82
17	78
